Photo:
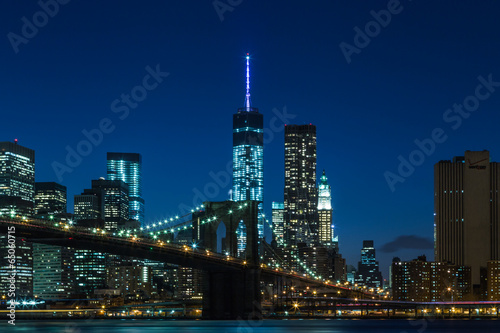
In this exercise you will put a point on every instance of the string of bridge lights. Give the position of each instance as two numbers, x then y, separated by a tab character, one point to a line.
144	232
296	257
128	233
154	234
168	221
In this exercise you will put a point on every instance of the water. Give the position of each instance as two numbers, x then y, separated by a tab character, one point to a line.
278	326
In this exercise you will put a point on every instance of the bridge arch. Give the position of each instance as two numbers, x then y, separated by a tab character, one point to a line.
243	216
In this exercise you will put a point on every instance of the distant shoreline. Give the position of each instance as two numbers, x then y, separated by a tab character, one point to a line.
401	318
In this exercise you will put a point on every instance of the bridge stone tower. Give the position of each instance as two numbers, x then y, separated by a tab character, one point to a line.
231	293
246	211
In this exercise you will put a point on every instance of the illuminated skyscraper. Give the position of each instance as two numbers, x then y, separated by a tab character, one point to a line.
50	198
278	217
90	271
114	201
301	196
368	268
17	197
248	153
466	214
17	179
87	206
127	167
52	264
241	238
107	200
23	267
52	271
325	214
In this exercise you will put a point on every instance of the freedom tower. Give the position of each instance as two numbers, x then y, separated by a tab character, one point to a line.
248	158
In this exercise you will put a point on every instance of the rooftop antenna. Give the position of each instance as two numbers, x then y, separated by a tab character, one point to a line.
247	97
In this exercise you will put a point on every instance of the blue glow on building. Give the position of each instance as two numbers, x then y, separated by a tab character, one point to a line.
242	238
248	154
128	168
278	219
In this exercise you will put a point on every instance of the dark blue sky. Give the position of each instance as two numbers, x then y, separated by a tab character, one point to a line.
396	89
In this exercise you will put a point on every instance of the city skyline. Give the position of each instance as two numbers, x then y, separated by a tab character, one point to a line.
403	99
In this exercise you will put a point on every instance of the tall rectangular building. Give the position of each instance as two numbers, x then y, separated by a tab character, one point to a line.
107	200
278	219
422	281
89	272
114	196
50	198
17	178
301	196
53	274
325	229
23	267
87	207
466	213
52	265
493	277
134	282
368	267
127	167
248	155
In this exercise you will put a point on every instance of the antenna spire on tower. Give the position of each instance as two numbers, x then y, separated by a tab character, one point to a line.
247	97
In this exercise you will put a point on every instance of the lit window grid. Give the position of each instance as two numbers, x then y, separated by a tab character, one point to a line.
86	207
17	176
325	227
248	173
300	184
130	173
23	266
52	271
278	220
248	177
50	200
241	236
90	270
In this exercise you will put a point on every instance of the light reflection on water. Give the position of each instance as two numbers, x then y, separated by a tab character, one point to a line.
278	326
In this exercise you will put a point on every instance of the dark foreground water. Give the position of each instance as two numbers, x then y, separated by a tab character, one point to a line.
309	326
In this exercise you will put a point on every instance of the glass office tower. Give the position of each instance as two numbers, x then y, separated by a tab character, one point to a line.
248	154
301	193
17	179
127	167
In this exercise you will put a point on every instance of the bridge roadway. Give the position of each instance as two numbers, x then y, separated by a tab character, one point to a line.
219	266
53	233
40	231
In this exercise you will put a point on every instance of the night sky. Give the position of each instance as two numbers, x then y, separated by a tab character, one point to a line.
370	107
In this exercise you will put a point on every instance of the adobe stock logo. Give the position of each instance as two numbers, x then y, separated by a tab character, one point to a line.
221	180
29	29
222	6
427	146
120	106
362	38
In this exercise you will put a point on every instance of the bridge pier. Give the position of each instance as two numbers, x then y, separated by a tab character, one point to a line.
232	295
